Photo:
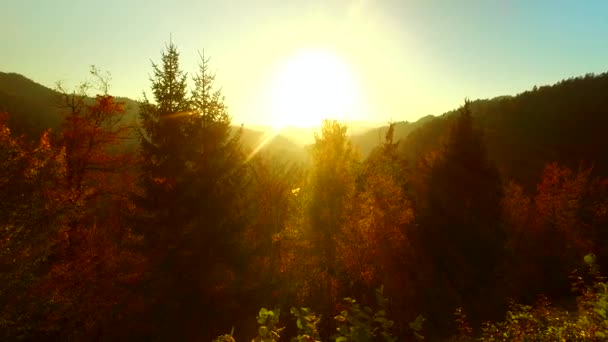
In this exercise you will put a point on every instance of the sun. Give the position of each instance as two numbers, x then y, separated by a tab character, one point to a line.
310	86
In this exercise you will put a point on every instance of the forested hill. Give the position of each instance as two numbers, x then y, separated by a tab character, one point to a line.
34	107
367	141
565	122
29	103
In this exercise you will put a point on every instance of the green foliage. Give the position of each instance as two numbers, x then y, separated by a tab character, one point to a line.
225	337
545	322
362	323
268	330
307	323
416	327
356	323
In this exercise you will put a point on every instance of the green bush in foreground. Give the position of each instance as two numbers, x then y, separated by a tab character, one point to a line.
545	322
530	323
356	323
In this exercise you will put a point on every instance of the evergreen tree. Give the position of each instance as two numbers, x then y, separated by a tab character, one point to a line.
166	154
215	193
164	147
192	176
461	231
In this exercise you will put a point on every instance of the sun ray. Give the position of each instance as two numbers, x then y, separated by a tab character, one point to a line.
266	137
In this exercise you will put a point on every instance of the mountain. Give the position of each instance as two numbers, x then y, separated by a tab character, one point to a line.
369	139
30	105
280	145
34	108
306	135
565	122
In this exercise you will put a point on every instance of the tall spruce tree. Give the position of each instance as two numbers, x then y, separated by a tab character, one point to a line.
165	152
192	175
164	148
216	191
461	231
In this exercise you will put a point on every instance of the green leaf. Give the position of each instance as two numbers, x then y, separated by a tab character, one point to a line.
262	316
388	324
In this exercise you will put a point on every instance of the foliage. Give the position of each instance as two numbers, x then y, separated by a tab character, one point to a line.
268	330
461	233
67	257
307	323
93	248
545	322
193	212
356	323
565	216
361	323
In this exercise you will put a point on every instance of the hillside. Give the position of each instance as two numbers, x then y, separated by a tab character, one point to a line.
33	108
371	138
30	104
278	145
565	122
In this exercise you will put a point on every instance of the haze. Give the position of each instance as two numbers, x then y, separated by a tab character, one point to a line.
410	58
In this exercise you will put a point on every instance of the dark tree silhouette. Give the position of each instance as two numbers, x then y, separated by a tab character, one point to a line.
461	228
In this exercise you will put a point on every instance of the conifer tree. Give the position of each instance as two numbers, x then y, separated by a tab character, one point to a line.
192	176
166	154
216	189
461	227
164	148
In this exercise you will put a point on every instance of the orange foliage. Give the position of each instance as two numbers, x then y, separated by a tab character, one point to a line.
71	249
370	241
564	217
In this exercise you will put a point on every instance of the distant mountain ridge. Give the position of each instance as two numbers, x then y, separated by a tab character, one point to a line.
34	108
564	122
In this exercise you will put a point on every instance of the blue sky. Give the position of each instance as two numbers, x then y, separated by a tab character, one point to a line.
410	57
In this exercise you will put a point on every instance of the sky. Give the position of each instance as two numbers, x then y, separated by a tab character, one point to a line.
404	58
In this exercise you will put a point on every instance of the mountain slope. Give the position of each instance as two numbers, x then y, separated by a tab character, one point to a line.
33	107
370	139
565	122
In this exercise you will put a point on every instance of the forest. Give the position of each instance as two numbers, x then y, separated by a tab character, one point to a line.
160	220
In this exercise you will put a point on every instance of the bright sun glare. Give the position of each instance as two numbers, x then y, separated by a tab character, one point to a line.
311	86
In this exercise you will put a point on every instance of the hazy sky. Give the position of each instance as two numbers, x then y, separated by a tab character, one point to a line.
409	57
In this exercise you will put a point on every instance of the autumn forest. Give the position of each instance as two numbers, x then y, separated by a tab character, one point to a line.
160	219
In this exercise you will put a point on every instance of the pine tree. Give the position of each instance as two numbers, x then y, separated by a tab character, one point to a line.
166	154
216	190
192	178
164	147
461	227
